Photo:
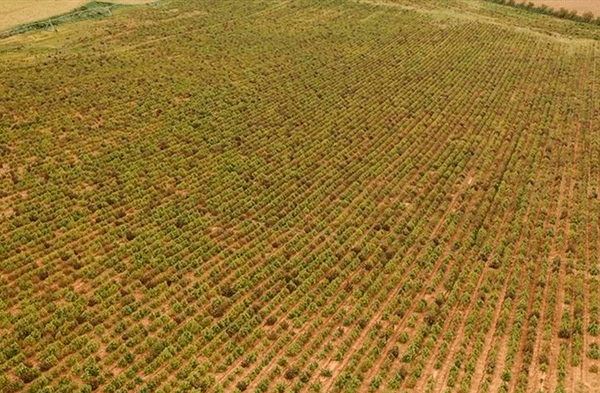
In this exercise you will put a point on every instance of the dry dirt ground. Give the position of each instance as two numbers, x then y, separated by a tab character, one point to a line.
580	5
16	12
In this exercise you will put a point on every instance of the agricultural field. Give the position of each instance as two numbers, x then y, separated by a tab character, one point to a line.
301	196
580	6
16	12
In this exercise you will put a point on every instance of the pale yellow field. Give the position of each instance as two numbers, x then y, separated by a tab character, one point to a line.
580	5
16	12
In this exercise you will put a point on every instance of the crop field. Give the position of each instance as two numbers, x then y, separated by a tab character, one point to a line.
580	6
16	12
301	196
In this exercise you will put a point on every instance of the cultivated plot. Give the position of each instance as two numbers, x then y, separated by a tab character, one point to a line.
17	12
301	196
580	6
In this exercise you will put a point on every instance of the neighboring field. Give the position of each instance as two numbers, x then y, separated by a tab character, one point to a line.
16	12
301	196
579	5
